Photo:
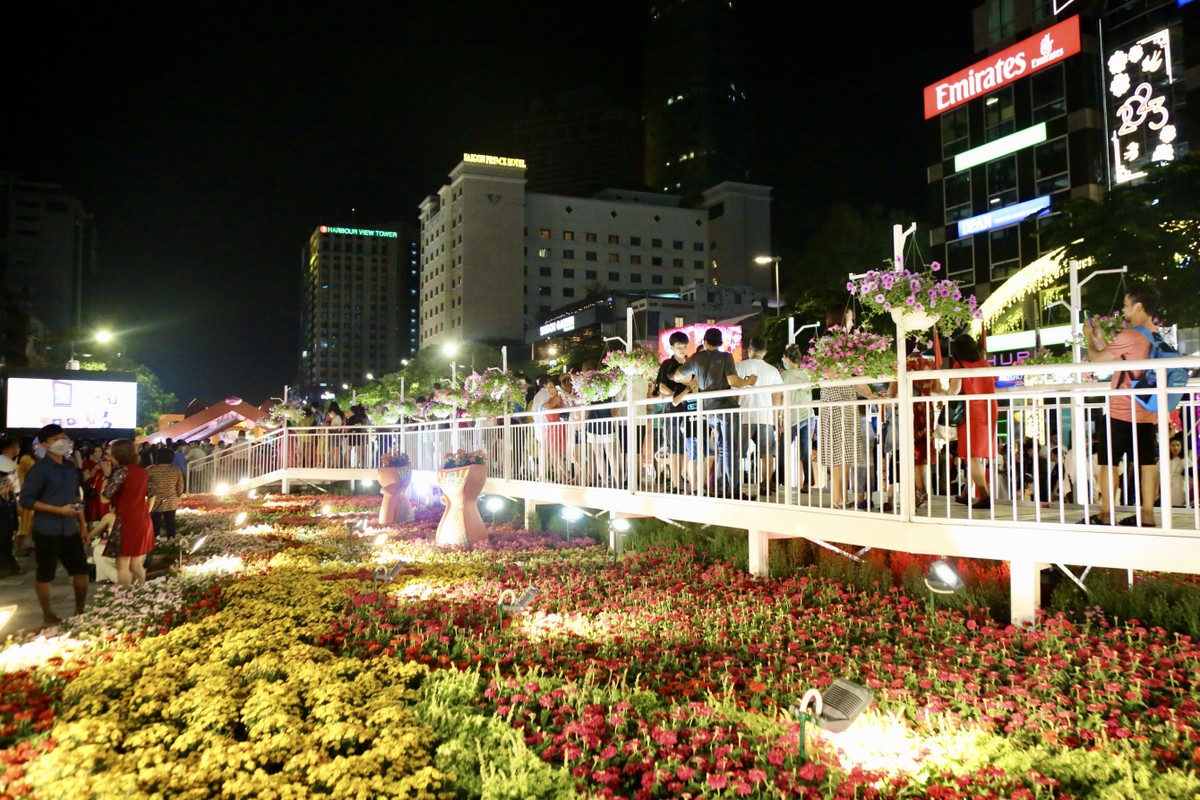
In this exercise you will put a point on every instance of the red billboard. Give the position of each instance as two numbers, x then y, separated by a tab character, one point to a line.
1044	49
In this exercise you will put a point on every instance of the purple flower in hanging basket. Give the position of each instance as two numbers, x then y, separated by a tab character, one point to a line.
879	298
910	300
918	307
850	287
935	266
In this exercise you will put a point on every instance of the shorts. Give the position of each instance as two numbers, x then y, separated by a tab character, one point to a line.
679	434
49	550
1120	436
764	438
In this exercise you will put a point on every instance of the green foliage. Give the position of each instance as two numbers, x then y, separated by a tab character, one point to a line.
487	756
152	399
1162	601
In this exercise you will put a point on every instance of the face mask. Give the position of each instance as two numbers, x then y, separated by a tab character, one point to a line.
59	447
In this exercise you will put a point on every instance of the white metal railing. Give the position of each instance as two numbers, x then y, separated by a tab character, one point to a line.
841	454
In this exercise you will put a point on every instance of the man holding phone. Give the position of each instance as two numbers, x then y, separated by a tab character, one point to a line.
51	491
1130	430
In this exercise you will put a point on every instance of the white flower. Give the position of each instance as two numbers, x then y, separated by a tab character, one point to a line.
1135	54
1117	62
1167	135
1164	152
1119	85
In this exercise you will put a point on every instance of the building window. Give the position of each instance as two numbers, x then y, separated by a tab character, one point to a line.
677	282
614	258
960	259
656	242
999	118
591	237
1050	168
656	280
1001	22
957	190
956	132
677	263
635	259
543	290
591	255
568	273
1006	252
1048	93
544	233
568	254
635	278
544	252
544	272
636	241
568	236
614	276
589	274
698	247
1002	182
656	261
614	239
1044	243
698	264
569	291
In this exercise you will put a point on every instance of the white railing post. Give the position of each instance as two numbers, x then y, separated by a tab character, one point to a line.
902	424
285	484
1164	448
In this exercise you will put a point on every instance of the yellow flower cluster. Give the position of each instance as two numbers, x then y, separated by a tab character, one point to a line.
242	704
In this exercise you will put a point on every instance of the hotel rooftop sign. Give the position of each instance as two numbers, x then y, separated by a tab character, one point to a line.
1024	58
493	161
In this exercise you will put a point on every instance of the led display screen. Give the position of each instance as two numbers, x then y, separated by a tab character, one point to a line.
109	400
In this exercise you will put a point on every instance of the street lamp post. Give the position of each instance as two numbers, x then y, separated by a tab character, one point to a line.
764	260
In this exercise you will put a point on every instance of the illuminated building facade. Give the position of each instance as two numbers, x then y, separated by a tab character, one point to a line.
495	259
1037	120
358	305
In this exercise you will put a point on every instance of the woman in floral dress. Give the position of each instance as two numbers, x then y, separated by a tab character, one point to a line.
124	491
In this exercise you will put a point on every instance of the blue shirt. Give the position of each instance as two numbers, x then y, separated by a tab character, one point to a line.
180	461
54	484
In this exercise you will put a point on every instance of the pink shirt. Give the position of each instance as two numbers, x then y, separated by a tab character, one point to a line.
1134	347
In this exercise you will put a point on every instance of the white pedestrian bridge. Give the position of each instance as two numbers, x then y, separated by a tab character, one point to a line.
617	458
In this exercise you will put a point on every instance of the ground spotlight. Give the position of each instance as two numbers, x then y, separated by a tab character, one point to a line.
621	525
381	540
834	711
942	579
244	483
618	527
240	519
493	504
222	489
515	606
326	510
571	514
386	575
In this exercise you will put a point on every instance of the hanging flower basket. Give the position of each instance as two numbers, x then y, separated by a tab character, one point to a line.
641	362
492	394
915	300
850	354
598	386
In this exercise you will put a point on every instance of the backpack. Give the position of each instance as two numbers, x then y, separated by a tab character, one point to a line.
1159	348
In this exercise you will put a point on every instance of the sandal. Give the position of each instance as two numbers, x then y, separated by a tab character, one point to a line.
1132	522
1094	519
921	498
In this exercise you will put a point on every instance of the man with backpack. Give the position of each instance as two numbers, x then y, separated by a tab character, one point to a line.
1132	425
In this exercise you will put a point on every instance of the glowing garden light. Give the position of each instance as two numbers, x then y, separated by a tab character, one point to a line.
834	711
222	490
240	519
493	504
509	603
326	510
942	579
571	514
381	540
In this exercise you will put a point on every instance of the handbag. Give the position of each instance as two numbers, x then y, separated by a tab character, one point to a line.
954	413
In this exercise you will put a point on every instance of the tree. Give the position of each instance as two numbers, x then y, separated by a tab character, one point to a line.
1153	227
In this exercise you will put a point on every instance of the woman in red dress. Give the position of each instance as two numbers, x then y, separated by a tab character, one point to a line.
125	491
977	432
556	432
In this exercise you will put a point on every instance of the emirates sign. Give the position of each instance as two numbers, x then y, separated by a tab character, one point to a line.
1039	51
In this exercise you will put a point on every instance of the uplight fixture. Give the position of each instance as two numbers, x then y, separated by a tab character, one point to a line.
240	519
942	579
515	606
834	711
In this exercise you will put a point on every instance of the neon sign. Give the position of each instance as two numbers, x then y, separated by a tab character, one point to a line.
359	232
1003	216
1024	58
1001	147
1139	87
493	161
559	325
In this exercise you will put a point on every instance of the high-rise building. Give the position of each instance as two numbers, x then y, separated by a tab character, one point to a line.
495	258
358	304
47	245
697	121
1066	100
579	143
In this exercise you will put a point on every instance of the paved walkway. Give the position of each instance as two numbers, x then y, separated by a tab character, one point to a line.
17	595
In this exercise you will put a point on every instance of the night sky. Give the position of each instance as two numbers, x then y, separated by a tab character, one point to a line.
210	139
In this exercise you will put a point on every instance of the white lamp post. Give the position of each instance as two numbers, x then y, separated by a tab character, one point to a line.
764	260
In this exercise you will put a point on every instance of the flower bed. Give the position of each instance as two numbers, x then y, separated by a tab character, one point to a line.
276	666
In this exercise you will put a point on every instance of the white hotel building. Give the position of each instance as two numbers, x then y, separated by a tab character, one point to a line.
495	260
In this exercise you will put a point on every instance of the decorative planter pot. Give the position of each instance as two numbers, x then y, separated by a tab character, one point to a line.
394	483
461	524
914	320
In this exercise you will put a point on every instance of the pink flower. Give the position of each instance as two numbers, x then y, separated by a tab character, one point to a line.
935	266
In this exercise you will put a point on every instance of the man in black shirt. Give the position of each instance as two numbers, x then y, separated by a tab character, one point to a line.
715	371
679	428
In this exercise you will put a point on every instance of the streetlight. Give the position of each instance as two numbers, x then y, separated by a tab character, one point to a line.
370	376
764	260
104	336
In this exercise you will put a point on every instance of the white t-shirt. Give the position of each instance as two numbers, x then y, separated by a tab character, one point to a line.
539	400
767	376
